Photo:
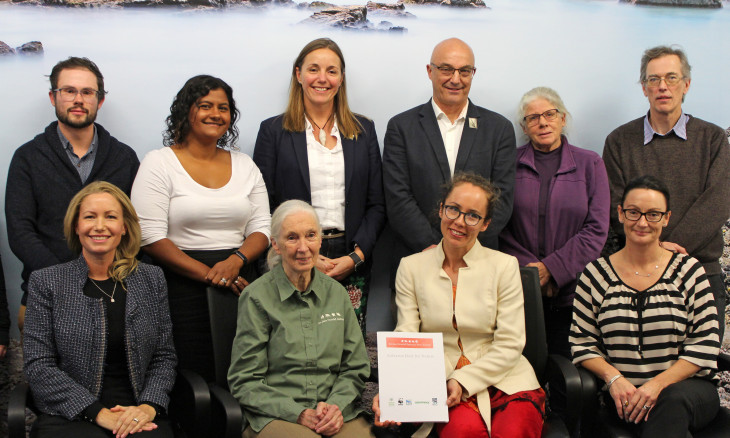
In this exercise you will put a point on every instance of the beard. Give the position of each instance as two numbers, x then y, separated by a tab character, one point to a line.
86	121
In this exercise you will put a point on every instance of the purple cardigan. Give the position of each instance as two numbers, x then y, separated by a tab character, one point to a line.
577	219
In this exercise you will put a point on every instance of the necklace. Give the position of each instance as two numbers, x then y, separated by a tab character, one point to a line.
322	134
102	290
656	266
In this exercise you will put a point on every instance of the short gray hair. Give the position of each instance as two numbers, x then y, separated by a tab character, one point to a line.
283	211
659	51
546	93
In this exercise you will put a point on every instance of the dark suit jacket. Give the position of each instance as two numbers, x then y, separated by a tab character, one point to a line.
415	167
282	158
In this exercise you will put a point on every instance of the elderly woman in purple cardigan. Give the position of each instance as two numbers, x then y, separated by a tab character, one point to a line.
561	209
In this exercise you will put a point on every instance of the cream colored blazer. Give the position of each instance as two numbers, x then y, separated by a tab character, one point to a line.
489	312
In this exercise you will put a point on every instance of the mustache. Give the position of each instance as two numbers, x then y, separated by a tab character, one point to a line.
77	107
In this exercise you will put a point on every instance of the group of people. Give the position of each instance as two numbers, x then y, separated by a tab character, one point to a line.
104	332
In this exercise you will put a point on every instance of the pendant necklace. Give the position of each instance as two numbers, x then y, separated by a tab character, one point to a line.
656	266
322	134
102	290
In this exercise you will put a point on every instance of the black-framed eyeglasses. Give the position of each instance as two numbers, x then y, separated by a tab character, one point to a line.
635	215
68	94
447	70
452	212
534	119
671	79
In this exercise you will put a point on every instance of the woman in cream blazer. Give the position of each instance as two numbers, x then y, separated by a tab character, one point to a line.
473	296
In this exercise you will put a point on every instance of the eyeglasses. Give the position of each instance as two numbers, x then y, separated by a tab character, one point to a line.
452	212
534	119
68	94
670	79
651	216
448	71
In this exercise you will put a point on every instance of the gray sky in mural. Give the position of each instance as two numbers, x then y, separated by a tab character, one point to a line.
587	50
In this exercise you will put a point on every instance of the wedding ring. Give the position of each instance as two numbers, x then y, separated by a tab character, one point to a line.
223	281
626	403
135	420
646	407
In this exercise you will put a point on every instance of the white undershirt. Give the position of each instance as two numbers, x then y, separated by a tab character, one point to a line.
450	132
327	178
171	204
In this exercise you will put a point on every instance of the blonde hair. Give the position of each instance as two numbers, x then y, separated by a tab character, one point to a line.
293	121
125	261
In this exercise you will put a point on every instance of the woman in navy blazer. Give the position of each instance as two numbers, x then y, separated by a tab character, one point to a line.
320	152
97	343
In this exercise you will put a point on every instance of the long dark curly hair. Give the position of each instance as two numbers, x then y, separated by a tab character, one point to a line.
178	122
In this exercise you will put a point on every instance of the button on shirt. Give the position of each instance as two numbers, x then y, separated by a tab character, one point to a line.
680	128
84	164
294	349
450	132
327	179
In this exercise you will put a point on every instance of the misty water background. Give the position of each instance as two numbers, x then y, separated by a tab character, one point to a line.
588	51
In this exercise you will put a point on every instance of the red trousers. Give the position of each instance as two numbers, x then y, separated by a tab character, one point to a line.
519	415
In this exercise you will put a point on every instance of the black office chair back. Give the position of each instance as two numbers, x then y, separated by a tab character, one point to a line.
536	341
223	311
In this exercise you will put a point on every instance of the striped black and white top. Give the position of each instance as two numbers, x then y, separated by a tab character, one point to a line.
642	333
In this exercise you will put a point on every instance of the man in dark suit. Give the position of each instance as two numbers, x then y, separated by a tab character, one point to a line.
425	145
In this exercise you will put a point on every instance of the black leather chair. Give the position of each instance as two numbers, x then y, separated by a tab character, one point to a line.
226	415
548	367
189	407
598	421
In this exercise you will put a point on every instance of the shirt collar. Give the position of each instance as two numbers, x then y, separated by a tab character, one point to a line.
440	114
67	144
680	128
287	289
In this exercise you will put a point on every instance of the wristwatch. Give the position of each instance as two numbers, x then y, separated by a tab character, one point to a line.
242	256
356	258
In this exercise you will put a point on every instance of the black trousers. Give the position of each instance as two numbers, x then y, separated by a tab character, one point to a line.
53	426
681	408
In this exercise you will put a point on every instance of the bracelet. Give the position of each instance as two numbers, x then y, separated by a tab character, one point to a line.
613	379
242	256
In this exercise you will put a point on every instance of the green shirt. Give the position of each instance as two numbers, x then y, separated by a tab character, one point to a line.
294	349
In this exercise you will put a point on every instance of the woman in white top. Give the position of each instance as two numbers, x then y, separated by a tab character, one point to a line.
320	152
203	210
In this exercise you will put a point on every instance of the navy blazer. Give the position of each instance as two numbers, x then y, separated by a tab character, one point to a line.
415	168
282	158
64	340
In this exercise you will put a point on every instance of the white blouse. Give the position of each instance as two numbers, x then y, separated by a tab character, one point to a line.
171	204
327	179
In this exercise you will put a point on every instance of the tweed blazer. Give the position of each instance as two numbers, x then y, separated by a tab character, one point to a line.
64	339
489	311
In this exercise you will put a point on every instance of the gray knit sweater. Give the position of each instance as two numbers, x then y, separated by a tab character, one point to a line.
697	173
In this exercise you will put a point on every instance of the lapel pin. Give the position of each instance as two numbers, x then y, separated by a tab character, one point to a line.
472	123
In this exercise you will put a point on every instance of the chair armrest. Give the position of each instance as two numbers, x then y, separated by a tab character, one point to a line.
226	414
190	404
16	410
589	395
723	362
560	367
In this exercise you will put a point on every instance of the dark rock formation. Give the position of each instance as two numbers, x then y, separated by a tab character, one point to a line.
680	3
30	48
6	49
388	9
349	17
460	3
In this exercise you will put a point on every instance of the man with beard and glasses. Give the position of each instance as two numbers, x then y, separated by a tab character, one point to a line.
49	170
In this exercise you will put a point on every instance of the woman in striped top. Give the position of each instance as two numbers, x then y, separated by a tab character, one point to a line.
644	321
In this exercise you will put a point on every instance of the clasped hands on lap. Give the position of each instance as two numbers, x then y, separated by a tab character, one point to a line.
126	420
325	420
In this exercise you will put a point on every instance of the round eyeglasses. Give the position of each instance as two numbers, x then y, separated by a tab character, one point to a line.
452	212
534	119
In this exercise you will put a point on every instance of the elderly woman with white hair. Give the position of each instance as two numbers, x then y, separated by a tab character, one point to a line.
561	209
299	363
